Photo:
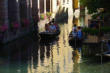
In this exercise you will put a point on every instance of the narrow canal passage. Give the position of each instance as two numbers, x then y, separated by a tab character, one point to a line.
29	56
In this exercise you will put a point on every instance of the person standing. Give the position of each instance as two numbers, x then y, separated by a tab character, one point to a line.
74	33
52	27
79	32
47	27
74	27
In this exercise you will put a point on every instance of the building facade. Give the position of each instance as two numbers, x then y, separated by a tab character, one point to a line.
17	18
48	6
47	11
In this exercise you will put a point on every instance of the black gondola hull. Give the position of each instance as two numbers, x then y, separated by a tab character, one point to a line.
49	35
75	42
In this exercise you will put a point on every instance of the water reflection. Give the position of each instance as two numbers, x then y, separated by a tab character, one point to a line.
57	56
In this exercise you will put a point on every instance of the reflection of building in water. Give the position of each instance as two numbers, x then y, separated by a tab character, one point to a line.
44	60
91	50
48	48
76	56
19	55
76	59
76	68
60	59
34	54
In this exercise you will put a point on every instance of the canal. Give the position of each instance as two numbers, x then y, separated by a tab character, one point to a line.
29	55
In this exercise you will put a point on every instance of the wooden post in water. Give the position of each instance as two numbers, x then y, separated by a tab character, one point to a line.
100	32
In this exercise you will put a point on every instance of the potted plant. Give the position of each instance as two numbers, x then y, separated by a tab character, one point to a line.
15	25
49	15
90	31
105	29
3	28
43	16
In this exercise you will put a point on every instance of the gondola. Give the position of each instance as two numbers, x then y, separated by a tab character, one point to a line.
49	35
48	42
74	41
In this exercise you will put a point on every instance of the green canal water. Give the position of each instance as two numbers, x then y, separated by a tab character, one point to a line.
29	56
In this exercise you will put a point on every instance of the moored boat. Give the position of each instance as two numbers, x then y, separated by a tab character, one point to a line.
48	42
49	35
74	41
107	54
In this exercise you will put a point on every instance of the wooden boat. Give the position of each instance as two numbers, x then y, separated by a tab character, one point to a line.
74	41
107	54
49	35
104	55
48	42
